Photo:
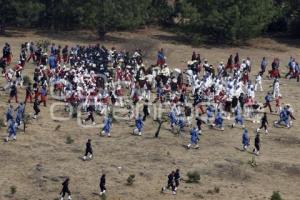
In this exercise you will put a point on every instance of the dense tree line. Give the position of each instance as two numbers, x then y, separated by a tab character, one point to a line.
209	20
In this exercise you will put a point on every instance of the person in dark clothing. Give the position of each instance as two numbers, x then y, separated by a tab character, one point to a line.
234	102
199	122
170	183
194	56
188	114
242	101
102	185
36	108
263	66
65	189
7	53
264	123
113	98
236	59
268	100
146	110
88	150
90	110
177	178
160	122
3	65
256	144
65	54
13	92
28	94
230	63
198	58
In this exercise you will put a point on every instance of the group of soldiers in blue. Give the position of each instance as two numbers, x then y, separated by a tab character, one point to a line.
179	122
107	125
284	117
14	122
238	119
176	122
246	142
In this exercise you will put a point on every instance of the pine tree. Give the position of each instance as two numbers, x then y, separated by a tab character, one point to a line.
7	13
230	20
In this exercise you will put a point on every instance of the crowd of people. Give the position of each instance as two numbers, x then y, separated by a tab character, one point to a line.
96	80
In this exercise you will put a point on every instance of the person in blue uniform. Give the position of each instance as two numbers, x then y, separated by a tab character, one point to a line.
107	126
239	119
11	130
219	120
139	124
194	138
20	113
245	140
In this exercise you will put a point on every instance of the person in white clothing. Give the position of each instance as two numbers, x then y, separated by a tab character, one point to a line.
258	82
276	88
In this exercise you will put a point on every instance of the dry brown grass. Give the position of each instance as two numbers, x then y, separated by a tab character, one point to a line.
40	159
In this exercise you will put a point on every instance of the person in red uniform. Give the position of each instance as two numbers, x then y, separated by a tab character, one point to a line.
65	54
44	95
161	60
28	94
7	53
13	92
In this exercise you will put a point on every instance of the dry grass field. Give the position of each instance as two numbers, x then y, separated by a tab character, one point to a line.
38	161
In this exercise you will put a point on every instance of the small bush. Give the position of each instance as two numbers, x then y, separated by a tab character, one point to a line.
103	197
216	189
198	195
2	124
69	140
27	119
74	115
13	190
57	127
27	80
130	179
44	44
193	177
276	196
210	192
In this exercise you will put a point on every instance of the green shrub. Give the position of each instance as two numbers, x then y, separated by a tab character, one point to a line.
69	140
276	196
57	127
103	197
130	179
27	119
74	114
44	44
216	189
2	124
13	190
210	192
27	80
193	177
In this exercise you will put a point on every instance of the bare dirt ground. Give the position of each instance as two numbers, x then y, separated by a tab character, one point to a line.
40	158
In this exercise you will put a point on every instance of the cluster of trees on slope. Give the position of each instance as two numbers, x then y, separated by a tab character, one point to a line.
210	20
